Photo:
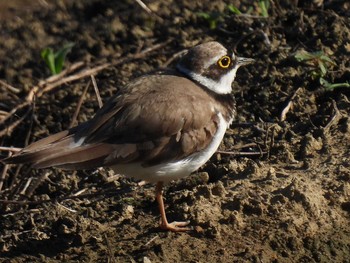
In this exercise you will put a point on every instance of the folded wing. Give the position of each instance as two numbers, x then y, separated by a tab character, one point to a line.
141	124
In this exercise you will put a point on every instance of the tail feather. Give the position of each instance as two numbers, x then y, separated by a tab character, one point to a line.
62	150
41	148
82	157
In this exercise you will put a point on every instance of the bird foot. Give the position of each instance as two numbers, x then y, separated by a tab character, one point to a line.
176	226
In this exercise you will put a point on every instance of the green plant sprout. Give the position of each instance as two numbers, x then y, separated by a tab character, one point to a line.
264	7
233	9
318	59
55	60
331	86
213	18
321	64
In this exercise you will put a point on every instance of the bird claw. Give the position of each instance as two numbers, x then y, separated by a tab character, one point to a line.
176	226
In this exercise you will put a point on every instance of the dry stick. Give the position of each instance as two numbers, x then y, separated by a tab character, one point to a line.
67	208
144	7
175	56
151	240
100	103
18	169
13	111
10	149
34	91
148	10
3	113
237	147
289	105
82	74
26	141
39	90
241	153
36	183
80	102
27	184
13	125
3	173
54	78
80	192
27	211
9	87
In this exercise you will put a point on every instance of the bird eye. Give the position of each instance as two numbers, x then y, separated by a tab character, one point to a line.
224	62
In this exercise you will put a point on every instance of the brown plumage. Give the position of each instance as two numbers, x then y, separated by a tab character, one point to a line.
159	127
140	124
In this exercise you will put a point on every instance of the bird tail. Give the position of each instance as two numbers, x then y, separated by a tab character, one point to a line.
62	150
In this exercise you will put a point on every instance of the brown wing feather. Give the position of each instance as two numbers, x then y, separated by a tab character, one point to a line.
141	124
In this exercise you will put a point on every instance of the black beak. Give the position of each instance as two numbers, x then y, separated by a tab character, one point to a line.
244	61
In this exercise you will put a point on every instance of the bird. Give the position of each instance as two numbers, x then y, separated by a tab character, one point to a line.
159	127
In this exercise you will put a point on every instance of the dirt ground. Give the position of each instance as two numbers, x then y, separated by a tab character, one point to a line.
278	190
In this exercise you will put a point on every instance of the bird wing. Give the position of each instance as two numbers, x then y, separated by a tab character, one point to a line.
152	120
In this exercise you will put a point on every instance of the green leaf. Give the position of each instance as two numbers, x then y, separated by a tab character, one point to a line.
49	57
264	6
203	15
303	56
322	68
233	9
327	59
60	56
212	18
331	86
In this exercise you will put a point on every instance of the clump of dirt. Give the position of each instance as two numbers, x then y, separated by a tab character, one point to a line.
277	191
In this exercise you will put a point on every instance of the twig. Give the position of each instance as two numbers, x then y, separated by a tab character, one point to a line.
9	87
29	211
18	169
13	111
151	240
289	105
26	186
35	185
81	74
99	100
175	56
242	153
10	149
26	140
13	125
148	10
144	7
80	192
67	208
80	102
237	147
53	79
4	172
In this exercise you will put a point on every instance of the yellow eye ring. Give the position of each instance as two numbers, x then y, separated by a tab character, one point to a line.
224	62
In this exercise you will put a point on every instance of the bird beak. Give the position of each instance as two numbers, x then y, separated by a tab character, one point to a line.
244	61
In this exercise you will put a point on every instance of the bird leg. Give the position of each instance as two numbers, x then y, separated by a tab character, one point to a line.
174	226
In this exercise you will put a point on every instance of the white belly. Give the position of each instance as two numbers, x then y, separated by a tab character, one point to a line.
166	172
